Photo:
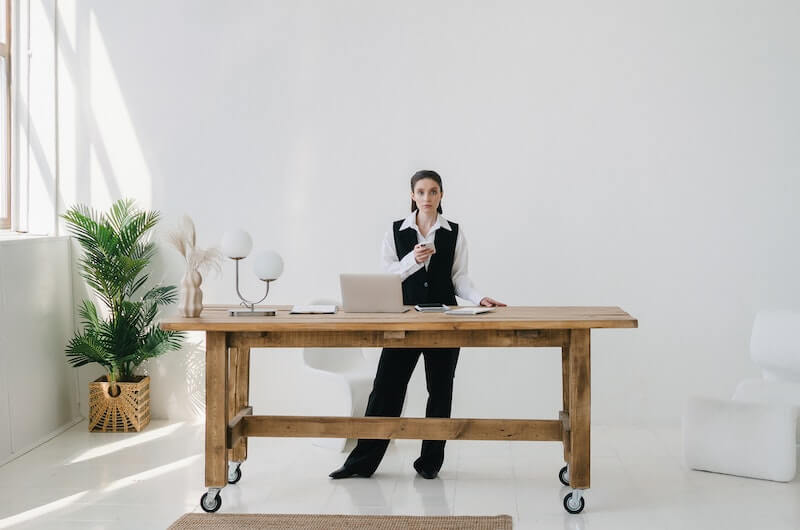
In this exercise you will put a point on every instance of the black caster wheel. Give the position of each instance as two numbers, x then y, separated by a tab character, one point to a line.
237	476
210	506
572	506
563	476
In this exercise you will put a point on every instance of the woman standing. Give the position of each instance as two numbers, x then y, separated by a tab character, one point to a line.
430	254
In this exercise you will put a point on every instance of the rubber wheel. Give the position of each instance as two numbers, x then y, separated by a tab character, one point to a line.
210	507
562	476
237	478
567	507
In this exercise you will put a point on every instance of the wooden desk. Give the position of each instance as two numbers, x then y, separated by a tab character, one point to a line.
230	420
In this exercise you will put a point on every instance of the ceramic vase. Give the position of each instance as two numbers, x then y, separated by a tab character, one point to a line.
191	304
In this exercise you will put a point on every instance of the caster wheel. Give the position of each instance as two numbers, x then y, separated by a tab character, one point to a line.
212	505
236	477
563	476
571	506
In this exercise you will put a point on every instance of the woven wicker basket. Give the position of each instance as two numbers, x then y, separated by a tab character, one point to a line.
128	411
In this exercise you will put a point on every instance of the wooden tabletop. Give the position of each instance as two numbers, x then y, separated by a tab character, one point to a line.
216	318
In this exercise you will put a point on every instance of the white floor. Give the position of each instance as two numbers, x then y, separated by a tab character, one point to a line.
147	480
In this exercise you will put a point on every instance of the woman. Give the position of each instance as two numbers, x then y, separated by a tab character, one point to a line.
430	254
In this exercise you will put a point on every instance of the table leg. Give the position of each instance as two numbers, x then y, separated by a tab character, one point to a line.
565	396
216	409
239	451
233	372
579	407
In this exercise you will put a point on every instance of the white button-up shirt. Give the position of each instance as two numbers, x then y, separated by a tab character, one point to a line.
407	266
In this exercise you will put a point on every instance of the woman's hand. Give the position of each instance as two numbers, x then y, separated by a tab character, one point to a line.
491	302
422	253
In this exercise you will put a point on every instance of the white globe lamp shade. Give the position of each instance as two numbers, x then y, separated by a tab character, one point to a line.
236	244
268	265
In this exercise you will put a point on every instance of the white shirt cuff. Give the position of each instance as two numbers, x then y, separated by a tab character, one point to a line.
410	265
470	294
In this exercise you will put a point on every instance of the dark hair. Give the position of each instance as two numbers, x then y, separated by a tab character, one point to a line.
426	174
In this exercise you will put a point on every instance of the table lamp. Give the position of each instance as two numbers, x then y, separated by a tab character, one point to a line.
267	266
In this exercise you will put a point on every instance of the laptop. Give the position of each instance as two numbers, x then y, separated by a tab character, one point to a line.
372	293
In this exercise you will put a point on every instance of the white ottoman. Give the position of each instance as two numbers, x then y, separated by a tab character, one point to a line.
747	439
778	392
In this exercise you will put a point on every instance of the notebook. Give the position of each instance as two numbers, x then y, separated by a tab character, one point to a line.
303	309
468	311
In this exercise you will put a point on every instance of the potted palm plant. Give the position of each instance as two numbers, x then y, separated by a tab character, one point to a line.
116	255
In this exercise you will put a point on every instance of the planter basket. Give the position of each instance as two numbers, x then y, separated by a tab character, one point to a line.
128	411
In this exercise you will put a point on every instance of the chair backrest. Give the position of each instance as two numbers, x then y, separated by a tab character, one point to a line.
774	345
333	359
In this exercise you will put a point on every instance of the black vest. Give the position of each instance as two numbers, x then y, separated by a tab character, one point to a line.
434	285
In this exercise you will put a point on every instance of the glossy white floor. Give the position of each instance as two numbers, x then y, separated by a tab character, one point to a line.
147	480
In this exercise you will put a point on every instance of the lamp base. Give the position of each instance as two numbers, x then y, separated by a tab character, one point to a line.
248	313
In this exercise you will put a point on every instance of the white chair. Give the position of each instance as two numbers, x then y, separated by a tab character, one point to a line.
774	392
756	433
774	348
344	377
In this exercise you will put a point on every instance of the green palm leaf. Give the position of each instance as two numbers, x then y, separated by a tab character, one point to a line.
88	312
162	295
84	348
116	255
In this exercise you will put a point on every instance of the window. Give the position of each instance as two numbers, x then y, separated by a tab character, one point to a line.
5	114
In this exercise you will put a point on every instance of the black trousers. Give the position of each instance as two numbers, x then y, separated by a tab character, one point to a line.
388	393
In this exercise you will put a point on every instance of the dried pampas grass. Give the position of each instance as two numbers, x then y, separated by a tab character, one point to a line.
184	240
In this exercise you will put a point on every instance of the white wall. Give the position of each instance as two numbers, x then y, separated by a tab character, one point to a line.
640	154
38	395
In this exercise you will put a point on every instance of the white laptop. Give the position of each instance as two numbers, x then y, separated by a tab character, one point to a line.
372	293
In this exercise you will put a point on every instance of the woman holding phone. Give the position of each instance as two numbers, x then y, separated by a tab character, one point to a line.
430	255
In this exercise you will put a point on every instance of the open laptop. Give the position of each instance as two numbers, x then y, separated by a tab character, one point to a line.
372	293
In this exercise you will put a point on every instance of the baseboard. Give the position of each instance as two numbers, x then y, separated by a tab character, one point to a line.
44	439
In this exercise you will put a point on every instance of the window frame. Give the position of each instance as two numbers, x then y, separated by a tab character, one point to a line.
5	53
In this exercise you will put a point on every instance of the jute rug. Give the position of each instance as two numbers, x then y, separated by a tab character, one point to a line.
326	522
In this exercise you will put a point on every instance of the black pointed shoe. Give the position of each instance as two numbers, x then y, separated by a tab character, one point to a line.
425	474
345	472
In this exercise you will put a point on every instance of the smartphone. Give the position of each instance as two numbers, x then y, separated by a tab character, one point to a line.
431	307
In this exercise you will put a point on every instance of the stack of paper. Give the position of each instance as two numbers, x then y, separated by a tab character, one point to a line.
468	311
299	309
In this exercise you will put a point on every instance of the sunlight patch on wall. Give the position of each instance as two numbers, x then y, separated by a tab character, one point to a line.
116	152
